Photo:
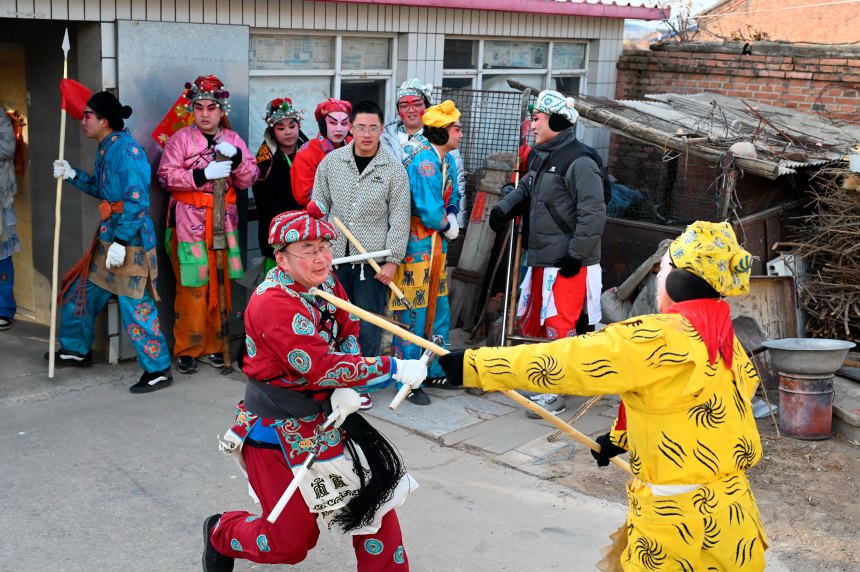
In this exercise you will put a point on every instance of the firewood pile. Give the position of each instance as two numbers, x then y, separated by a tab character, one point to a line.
829	241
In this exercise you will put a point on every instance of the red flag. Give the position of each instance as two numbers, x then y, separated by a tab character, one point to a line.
75	98
175	119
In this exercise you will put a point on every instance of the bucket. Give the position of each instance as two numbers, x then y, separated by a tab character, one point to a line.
806	405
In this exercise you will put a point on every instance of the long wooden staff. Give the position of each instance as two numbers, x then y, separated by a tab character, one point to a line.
219	245
58	210
359	247
440	351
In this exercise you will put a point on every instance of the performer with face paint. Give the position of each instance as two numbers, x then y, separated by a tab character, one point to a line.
405	136
187	171
332	117
687	384
273	190
422	277
304	362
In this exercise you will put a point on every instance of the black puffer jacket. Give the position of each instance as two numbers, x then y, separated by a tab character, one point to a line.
563	194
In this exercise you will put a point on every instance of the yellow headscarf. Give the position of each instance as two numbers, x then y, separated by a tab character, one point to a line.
441	115
711	251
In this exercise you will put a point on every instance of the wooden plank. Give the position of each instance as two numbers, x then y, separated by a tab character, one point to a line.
248	15
222	11
373	23
273	15
182	10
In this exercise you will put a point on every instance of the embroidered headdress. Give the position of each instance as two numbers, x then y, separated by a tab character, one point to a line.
332	105
414	87
296	226
208	87
282	108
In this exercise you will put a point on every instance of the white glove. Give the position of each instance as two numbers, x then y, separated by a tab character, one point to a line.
64	170
218	170
412	372
226	149
454	230
345	401
115	256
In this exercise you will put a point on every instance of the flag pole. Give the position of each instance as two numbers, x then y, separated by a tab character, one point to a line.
52	351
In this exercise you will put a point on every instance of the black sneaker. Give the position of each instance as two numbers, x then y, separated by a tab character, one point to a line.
439	383
5	323
215	360
213	561
418	397
152	381
68	357
186	364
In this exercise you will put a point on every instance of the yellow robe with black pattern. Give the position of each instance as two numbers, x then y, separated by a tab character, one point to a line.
688	423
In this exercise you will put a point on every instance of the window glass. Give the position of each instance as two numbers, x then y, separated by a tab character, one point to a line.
306	93
355	90
568	56
457	82
365	53
499	82
568	84
515	55
277	51
460	54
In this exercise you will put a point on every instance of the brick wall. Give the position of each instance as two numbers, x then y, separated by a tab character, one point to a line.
826	85
783	20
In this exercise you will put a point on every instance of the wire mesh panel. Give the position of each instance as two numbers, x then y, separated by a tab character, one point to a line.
491	125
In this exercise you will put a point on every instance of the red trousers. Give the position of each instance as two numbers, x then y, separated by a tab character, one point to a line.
569	296
240	534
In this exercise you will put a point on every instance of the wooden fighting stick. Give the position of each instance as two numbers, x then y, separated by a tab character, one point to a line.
219	246
440	351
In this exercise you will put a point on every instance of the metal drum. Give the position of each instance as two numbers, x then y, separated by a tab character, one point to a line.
806	405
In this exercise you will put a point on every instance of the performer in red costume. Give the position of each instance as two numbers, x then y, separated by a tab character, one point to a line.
332	117
303	361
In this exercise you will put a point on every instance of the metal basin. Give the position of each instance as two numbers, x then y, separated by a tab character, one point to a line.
807	356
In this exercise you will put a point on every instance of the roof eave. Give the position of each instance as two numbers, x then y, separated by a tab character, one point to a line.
548	7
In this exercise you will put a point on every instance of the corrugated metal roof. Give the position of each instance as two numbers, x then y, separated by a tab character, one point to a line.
785	139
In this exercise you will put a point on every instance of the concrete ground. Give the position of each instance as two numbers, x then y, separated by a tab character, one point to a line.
98	478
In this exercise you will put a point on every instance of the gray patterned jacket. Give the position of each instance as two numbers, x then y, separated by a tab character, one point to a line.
374	205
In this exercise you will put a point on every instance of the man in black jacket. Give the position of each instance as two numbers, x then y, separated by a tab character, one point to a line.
563	193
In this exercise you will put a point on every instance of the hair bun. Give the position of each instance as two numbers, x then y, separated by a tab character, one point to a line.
447	106
126	112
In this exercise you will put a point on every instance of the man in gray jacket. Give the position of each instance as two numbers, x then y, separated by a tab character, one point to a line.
564	196
368	190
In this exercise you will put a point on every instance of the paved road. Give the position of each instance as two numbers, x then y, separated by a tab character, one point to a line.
94	478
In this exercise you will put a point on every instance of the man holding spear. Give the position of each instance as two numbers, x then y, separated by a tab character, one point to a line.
121	259
189	171
686	384
303	362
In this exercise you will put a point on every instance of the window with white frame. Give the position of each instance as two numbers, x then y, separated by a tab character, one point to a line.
308	68
486	64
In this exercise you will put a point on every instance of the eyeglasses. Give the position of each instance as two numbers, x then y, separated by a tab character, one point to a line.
311	253
410	105
374	129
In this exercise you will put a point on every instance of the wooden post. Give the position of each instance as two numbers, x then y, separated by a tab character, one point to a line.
219	246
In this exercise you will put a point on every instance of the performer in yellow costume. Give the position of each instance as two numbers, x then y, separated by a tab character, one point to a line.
686	384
